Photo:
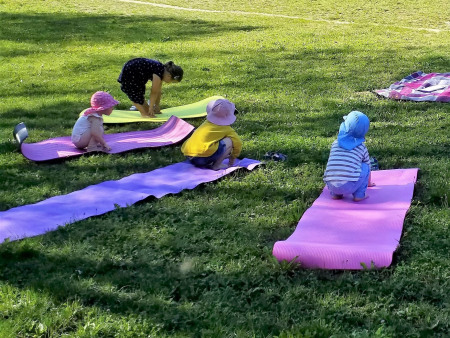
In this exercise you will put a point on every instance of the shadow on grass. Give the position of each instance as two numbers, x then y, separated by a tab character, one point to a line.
131	260
41	29
168	266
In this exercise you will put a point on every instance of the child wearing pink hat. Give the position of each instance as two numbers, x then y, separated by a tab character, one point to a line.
214	140
88	130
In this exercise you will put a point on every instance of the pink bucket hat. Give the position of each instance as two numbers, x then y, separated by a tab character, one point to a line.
221	112
101	101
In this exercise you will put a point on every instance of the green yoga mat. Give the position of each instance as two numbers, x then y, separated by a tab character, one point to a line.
197	109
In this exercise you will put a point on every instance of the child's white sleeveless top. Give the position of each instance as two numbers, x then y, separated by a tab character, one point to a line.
81	126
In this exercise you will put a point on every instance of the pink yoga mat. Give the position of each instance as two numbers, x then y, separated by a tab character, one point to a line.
342	234
36	219
171	132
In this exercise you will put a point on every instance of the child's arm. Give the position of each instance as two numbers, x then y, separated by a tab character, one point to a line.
97	131
155	95
237	147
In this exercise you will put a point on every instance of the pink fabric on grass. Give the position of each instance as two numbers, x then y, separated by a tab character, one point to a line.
420	87
342	234
171	132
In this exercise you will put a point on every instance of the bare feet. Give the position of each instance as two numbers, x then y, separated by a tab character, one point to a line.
97	147
218	167
357	199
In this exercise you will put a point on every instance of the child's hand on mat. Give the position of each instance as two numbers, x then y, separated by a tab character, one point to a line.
231	160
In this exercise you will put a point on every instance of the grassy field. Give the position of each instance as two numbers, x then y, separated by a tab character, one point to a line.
200	263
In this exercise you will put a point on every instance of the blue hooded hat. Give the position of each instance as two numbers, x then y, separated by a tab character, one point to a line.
352	130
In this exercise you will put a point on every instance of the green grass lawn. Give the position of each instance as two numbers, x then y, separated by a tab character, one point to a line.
200	263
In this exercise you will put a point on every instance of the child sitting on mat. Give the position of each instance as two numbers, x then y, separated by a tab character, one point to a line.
136	73
88	130
348	167
214	140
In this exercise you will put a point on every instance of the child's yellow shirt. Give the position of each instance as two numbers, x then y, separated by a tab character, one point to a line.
205	140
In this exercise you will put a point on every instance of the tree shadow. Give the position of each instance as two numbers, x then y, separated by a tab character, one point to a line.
48	28
173	257
145	251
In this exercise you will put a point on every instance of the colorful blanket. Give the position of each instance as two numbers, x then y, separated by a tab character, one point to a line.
347	235
420	87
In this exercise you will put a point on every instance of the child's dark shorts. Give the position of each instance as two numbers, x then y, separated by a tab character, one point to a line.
135	92
207	162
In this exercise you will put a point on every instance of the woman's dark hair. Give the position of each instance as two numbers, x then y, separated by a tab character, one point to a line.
175	71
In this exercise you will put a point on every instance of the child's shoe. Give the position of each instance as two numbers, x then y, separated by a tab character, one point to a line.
278	157
374	164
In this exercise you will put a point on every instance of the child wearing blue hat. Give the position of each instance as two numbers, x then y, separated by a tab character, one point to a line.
348	167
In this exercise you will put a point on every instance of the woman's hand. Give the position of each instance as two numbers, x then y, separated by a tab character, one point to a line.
148	111
151	112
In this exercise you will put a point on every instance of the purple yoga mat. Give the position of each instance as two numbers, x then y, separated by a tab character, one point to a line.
36	219
171	132
342	234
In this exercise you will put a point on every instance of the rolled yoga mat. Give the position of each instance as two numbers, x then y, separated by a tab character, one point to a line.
197	109
171	132
36	219
342	234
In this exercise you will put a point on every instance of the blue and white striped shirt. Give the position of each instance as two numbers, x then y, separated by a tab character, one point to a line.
345	165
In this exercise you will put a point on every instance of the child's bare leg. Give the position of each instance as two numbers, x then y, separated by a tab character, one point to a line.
143	109
84	140
228	148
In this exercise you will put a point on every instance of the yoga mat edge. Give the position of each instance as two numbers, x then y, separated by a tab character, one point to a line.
36	219
345	235
171	132
192	110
